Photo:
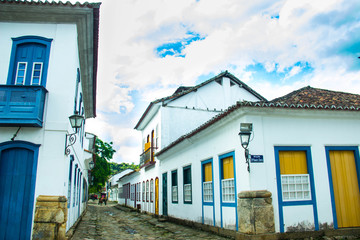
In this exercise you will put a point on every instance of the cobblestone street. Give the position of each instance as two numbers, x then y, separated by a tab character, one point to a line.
107	222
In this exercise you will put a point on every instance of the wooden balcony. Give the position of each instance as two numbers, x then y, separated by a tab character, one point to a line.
22	105
147	157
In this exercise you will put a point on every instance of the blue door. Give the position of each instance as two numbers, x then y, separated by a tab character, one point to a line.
29	64
18	163
165	204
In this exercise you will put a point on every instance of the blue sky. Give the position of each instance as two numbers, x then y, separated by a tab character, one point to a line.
149	48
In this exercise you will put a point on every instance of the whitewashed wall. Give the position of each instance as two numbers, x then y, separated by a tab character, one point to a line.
53	164
316	129
208	101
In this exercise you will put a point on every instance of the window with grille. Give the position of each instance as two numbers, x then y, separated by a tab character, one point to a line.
121	194
20	73
228	190
207	182
143	191
174	186
295	187
36	73
132	192
187	184
147	190
207	191
227	181
138	192
295	180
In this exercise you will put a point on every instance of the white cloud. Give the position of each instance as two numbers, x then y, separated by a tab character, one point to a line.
236	34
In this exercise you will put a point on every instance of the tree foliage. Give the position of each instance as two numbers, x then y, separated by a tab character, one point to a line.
119	167
104	153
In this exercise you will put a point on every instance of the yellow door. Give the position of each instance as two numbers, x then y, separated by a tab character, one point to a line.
346	188
157	196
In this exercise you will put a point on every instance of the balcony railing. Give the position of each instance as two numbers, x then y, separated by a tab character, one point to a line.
22	105
147	157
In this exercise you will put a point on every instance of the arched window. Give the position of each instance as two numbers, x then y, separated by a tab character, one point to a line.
29	61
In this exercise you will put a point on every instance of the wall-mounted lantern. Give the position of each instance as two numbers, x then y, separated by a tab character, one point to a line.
245	133
76	122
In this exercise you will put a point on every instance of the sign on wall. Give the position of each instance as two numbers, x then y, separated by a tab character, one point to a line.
257	159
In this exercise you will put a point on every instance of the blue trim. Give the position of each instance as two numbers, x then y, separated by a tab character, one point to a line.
26	225
357	164
75	179
222	204
79	193
312	185
70	178
202	189
29	39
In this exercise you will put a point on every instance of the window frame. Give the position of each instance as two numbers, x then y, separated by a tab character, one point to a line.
187	168
203	164
16	42
152	190
281	202
174	176
143	191
147	190
17	73
32	73
224	180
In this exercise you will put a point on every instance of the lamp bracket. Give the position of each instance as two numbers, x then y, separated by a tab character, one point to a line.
70	140
247	158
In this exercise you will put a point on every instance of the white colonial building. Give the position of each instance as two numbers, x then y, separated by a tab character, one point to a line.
303	152
48	67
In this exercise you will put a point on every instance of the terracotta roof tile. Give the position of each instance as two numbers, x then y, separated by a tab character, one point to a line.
304	98
59	3
317	97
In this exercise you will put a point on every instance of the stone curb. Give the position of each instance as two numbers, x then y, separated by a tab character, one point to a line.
71	231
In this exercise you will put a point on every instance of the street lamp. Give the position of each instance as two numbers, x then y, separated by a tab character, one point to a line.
244	134
75	122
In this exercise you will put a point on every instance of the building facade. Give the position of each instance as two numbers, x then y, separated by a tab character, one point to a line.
48	71
303	153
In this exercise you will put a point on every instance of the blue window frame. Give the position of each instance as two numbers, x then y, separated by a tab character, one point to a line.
282	203
77	187
29	61
70	177
229	198
75	179
207	186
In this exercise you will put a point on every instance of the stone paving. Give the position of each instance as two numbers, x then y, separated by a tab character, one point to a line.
107	222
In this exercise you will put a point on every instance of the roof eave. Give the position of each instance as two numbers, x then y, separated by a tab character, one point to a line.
86	18
147	115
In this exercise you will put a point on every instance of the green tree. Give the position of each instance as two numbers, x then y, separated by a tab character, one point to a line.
101	172
119	167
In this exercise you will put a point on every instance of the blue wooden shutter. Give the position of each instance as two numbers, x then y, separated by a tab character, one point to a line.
32	56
